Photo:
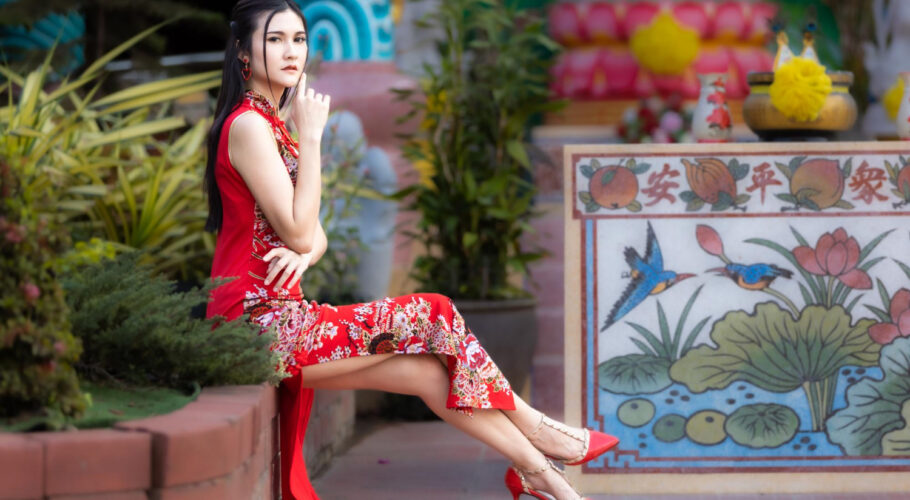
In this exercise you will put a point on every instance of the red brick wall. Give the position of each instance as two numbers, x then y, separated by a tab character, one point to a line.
223	445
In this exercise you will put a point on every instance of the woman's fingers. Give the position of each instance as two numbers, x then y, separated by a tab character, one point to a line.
288	271
276	267
297	274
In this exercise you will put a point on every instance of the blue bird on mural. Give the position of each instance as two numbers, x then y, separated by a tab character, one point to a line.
753	276
648	278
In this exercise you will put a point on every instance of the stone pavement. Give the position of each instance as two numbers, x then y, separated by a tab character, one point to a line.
432	461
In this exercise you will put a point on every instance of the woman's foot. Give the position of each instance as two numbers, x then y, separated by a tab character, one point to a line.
570	445
547	479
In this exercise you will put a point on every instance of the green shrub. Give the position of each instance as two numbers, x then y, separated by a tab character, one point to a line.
37	349
136	329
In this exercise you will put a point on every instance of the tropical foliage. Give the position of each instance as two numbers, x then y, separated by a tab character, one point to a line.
135	328
474	200
117	167
37	348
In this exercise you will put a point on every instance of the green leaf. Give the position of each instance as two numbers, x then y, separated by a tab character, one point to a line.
897	442
762	425
517	151
695	205
892	172
848	167
587	171
690	339
687	196
742	199
677	335
592	207
872	244
607	177
844	204
468	239
874	405
771	350
595	164
645	349
883	316
630	163
585	197
634	206
904	267
634	374
737	170
795	163
665	339
784	169
133	132
811	205
787	197
660	348
641	168
724	201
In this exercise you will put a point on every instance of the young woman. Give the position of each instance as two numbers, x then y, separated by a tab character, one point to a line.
264	193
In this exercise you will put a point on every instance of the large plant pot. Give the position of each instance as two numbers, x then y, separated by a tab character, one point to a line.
507	329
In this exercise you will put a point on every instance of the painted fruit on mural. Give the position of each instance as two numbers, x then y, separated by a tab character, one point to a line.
816	184
899	175
713	182
612	186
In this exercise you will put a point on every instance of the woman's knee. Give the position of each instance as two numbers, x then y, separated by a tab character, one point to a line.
427	374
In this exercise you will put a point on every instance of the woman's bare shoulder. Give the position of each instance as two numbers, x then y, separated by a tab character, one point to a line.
250	127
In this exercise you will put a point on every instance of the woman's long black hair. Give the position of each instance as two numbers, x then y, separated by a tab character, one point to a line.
243	22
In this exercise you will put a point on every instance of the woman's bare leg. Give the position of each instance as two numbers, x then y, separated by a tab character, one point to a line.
422	375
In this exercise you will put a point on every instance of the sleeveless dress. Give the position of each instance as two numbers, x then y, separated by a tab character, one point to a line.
309	332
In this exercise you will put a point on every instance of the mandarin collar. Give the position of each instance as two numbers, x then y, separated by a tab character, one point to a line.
262	102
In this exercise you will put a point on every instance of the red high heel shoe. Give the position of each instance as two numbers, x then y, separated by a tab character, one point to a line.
518	485
595	443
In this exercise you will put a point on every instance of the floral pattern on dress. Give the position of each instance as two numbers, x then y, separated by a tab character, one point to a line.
287	149
308	333
419	324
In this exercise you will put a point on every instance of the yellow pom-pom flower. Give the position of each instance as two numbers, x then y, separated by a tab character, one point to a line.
892	98
665	47
800	88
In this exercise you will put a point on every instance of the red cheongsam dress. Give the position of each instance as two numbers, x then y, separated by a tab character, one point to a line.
308	332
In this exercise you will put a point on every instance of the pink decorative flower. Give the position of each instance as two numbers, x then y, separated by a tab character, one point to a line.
671	122
709	240
59	347
885	333
31	292
15	233
835	255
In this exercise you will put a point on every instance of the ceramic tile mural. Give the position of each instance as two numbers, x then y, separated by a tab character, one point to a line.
741	308
351	30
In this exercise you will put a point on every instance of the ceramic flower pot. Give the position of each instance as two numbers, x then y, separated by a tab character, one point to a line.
711	120
903	112
837	114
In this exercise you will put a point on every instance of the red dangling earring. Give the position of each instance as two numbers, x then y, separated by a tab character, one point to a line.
245	71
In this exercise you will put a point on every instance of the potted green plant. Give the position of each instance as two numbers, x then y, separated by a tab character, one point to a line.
475	193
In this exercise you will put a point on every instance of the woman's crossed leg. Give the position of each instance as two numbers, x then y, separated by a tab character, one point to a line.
425	376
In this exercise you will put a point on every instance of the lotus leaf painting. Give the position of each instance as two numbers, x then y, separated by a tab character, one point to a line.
740	308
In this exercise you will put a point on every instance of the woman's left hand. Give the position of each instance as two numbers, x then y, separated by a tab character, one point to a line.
293	264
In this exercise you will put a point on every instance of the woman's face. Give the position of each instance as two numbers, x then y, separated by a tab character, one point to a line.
285	51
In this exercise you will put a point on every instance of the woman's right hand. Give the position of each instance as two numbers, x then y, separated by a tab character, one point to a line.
310	112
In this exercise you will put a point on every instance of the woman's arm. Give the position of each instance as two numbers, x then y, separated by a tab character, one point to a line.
292	211
320	243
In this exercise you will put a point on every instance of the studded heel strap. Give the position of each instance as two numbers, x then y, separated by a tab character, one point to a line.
584	438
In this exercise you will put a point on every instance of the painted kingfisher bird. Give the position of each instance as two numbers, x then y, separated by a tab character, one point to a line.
752	277
648	278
